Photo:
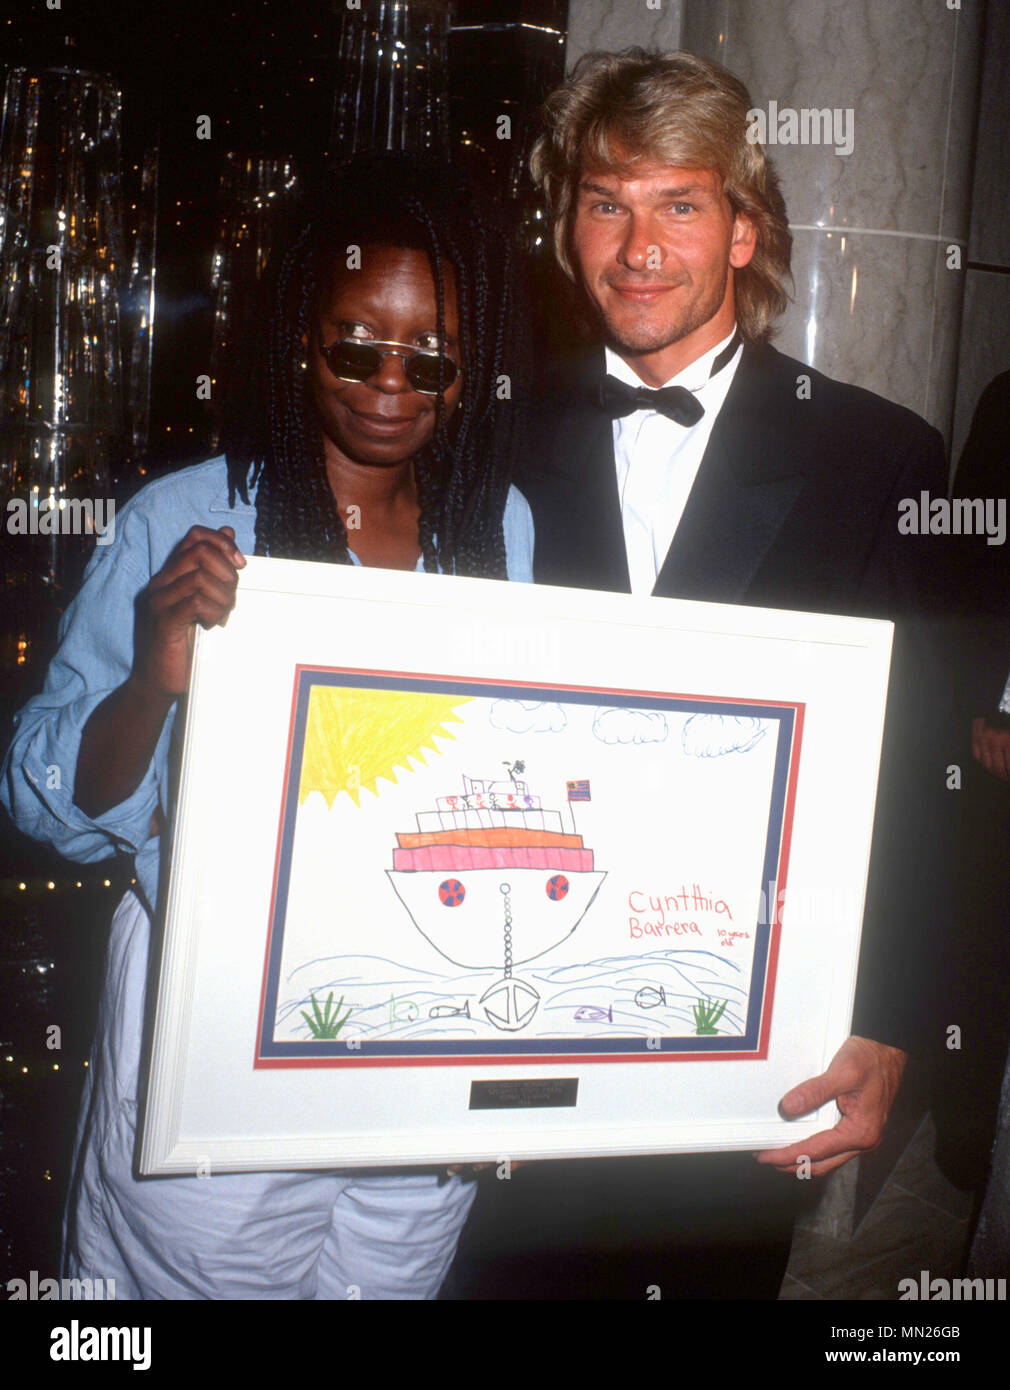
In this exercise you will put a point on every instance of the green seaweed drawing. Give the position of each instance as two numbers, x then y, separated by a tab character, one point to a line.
325	1023
707	1014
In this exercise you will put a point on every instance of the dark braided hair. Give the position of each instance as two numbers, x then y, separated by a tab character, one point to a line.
272	437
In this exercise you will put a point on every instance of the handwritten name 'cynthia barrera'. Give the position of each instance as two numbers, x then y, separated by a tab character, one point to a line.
664	914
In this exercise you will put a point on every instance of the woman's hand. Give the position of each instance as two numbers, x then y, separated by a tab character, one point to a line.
197	584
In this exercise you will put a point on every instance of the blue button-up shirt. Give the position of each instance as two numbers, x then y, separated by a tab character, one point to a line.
95	657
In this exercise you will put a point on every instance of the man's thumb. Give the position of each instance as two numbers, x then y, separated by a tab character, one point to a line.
810	1095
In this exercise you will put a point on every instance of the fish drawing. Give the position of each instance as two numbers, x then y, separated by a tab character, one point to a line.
590	1013
449	1010
650	997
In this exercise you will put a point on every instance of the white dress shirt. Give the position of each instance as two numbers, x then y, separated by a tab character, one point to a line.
658	460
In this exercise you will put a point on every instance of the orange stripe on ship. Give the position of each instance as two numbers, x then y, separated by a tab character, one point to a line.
491	837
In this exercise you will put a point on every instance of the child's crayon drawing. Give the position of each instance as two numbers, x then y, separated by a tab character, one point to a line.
468	870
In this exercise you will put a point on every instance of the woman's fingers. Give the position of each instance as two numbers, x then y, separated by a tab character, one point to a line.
198	594
201	550
197	584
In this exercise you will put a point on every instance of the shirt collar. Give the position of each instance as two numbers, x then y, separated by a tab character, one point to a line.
693	376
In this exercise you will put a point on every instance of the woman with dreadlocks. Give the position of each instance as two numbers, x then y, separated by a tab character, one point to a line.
368	430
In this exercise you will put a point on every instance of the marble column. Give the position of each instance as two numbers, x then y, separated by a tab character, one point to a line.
610	25
985	325
880	233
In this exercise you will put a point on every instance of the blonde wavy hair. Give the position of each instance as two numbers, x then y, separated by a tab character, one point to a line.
674	109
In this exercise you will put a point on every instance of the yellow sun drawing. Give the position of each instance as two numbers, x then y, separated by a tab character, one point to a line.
353	737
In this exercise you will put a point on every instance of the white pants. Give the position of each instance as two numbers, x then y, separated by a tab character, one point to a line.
287	1235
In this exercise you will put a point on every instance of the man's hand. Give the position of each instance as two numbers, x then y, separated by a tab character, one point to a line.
991	747
863	1078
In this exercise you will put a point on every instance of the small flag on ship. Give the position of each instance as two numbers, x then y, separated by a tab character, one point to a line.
578	791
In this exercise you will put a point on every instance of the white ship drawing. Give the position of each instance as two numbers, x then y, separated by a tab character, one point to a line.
491	877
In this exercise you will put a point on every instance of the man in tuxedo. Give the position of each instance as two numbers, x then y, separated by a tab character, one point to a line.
683	456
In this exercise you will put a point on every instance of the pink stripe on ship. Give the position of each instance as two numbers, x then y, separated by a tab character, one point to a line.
455	858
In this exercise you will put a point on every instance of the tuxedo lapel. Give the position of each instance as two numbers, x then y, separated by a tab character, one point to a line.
746	486
580	536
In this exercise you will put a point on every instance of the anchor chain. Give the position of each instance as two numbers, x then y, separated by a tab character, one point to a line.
506	891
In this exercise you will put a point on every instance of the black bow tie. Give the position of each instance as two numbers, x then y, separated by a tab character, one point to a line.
677	403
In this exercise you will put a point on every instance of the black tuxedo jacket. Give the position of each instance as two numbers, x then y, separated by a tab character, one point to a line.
795	505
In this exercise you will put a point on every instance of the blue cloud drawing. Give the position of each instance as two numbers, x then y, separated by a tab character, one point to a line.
713	735
528	716
630	726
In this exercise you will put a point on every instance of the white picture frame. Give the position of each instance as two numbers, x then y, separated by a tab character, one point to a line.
662	758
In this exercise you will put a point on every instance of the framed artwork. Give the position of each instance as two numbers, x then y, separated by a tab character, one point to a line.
467	871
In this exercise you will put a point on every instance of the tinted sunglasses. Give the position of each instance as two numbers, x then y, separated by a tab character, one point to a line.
353	359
